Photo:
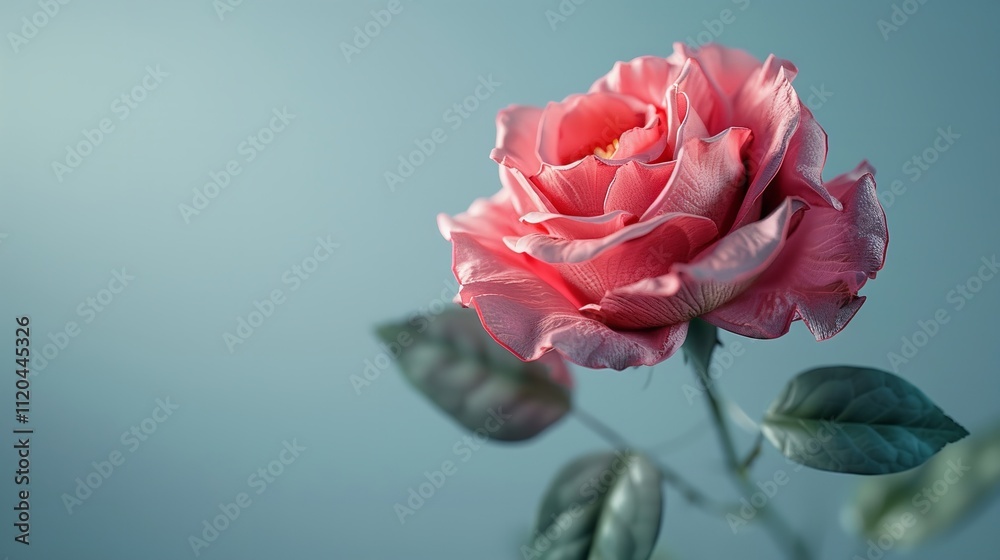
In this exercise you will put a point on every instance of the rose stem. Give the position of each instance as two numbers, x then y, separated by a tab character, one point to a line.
780	530
670	476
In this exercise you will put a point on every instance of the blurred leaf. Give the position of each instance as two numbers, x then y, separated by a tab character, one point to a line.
907	508
604	506
453	361
857	420
701	340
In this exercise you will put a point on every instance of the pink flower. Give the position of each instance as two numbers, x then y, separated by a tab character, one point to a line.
675	188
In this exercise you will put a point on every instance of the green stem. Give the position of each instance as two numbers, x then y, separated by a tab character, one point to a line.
670	476
781	531
758	446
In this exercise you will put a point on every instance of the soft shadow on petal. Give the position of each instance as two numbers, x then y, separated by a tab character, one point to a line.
571	129
595	266
801	173
575	227
718	275
569	251
709	179
636	185
769	106
726	70
525	196
578	189
825	263
522	309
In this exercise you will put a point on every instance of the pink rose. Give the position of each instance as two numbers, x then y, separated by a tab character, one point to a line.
675	188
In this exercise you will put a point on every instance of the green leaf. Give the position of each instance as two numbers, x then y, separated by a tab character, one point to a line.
452	360
603	506
905	509
857	420
701	340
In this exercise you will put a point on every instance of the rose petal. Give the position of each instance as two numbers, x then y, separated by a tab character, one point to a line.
556	250
572	129
578	189
646	78
580	340
709	179
703	98
693	289
517	132
726	70
819	272
769	106
801	172
575	227
523	309
525	195
636	185
643	144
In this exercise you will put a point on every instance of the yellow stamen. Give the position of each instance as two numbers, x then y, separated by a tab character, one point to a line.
608	151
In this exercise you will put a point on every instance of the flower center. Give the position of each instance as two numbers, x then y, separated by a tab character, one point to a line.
607	151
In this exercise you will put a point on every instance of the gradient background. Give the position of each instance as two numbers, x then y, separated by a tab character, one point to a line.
323	175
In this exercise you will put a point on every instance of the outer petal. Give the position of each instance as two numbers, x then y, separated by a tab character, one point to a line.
646	78
595	266
580	340
801	173
693	289
517	132
491	217
818	274
525	195
726	69
481	261
568	251
523	309
769	106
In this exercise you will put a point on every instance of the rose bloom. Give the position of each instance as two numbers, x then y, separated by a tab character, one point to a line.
675	188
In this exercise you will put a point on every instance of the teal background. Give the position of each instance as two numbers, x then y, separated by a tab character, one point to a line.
162	336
